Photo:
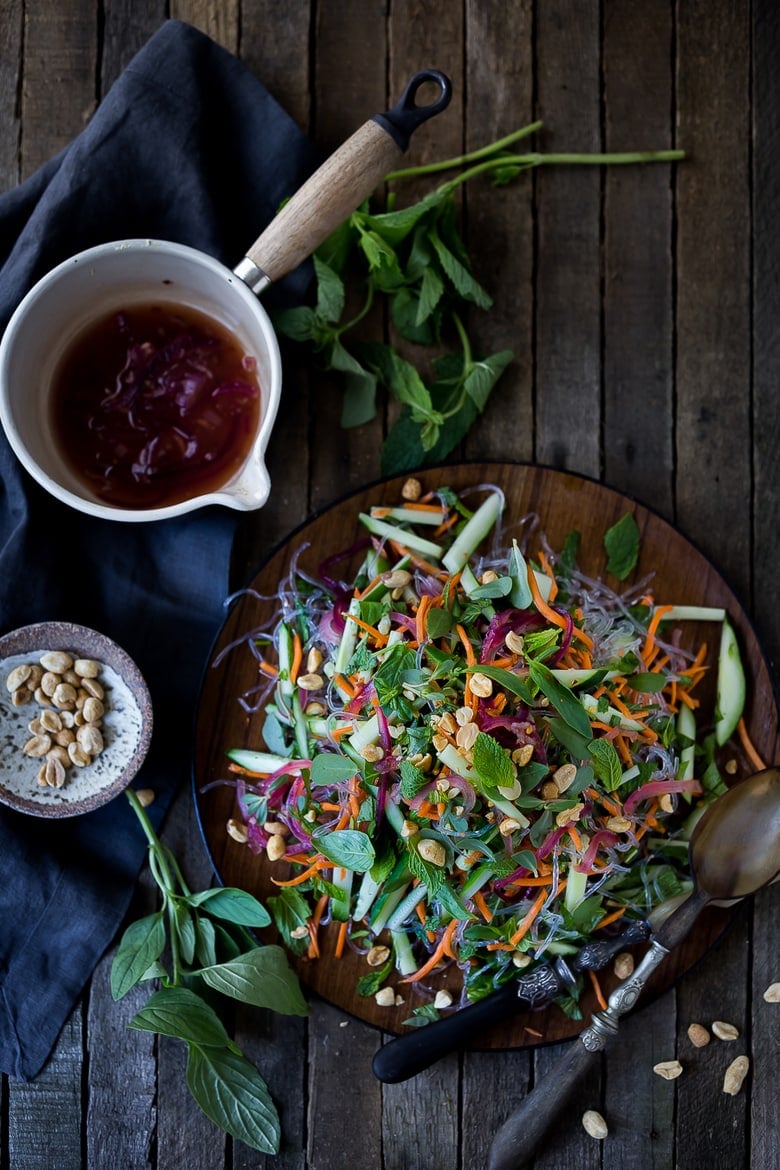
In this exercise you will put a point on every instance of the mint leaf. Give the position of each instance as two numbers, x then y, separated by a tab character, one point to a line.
141	945
233	1095
412	780
431	291
606	764
622	544
484	374
330	291
491	762
299	324
262	977
462	280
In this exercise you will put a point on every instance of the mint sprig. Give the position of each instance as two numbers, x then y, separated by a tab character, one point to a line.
413	261
197	944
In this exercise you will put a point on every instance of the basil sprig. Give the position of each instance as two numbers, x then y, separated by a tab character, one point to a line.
194	945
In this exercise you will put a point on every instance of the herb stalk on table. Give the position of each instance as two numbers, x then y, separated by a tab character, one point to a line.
206	937
413	260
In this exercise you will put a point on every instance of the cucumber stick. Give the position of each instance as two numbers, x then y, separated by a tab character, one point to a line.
730	694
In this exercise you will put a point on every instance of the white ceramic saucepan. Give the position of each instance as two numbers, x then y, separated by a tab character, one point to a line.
114	277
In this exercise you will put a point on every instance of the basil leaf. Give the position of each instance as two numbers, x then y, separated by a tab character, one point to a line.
648	683
262	977
141	945
521	596
233	1095
568	707
185	931
290	910
205	942
622	544
328	768
348	848
179	1012
233	905
369	984
577	745
508	682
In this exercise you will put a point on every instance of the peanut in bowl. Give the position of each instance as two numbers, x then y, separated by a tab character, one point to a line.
75	719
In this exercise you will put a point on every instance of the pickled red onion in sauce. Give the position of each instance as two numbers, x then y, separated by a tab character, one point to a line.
154	404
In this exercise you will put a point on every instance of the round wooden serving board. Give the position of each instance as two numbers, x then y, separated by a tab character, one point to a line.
563	502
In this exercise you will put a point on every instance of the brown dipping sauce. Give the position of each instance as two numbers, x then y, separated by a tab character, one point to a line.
154	404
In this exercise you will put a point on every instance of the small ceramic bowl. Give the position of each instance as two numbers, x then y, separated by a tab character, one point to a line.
125	726
92	285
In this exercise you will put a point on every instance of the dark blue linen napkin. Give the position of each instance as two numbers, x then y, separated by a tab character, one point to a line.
187	146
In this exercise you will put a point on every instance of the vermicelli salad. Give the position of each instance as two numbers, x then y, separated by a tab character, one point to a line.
471	753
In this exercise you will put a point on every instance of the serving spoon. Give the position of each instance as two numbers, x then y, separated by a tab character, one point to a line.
734	852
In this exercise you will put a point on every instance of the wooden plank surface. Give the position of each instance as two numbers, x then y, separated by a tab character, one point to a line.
642	306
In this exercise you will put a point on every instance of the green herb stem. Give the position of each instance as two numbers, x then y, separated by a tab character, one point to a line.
449	164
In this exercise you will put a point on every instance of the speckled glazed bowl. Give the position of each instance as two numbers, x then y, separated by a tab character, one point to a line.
125	725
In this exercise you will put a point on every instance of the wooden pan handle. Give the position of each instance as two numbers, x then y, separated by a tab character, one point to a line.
340	185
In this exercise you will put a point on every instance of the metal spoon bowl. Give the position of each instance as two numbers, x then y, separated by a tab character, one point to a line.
734	852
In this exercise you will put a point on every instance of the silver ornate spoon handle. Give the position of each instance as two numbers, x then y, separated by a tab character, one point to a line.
524	1130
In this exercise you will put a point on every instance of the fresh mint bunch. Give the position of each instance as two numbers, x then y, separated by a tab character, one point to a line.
414	261
195	945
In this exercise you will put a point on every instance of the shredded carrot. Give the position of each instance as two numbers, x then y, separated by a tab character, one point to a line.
650	649
269	669
544	562
442	950
300	878
402	551
313	924
479	901
379	638
344	685
747	744
551	614
341	939
420	616
469	649
597	988
575	837
527	922
297	657
609	918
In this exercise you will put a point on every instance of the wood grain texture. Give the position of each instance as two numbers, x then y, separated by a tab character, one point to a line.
58	87
499	224
127	26
11	30
762	1032
355	31
766	340
568	208
219	19
46	1115
638	429
273	45
713	286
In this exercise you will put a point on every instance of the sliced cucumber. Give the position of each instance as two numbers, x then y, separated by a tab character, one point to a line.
686	726
730	695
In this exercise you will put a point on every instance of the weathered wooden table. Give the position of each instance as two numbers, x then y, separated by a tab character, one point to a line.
642	306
